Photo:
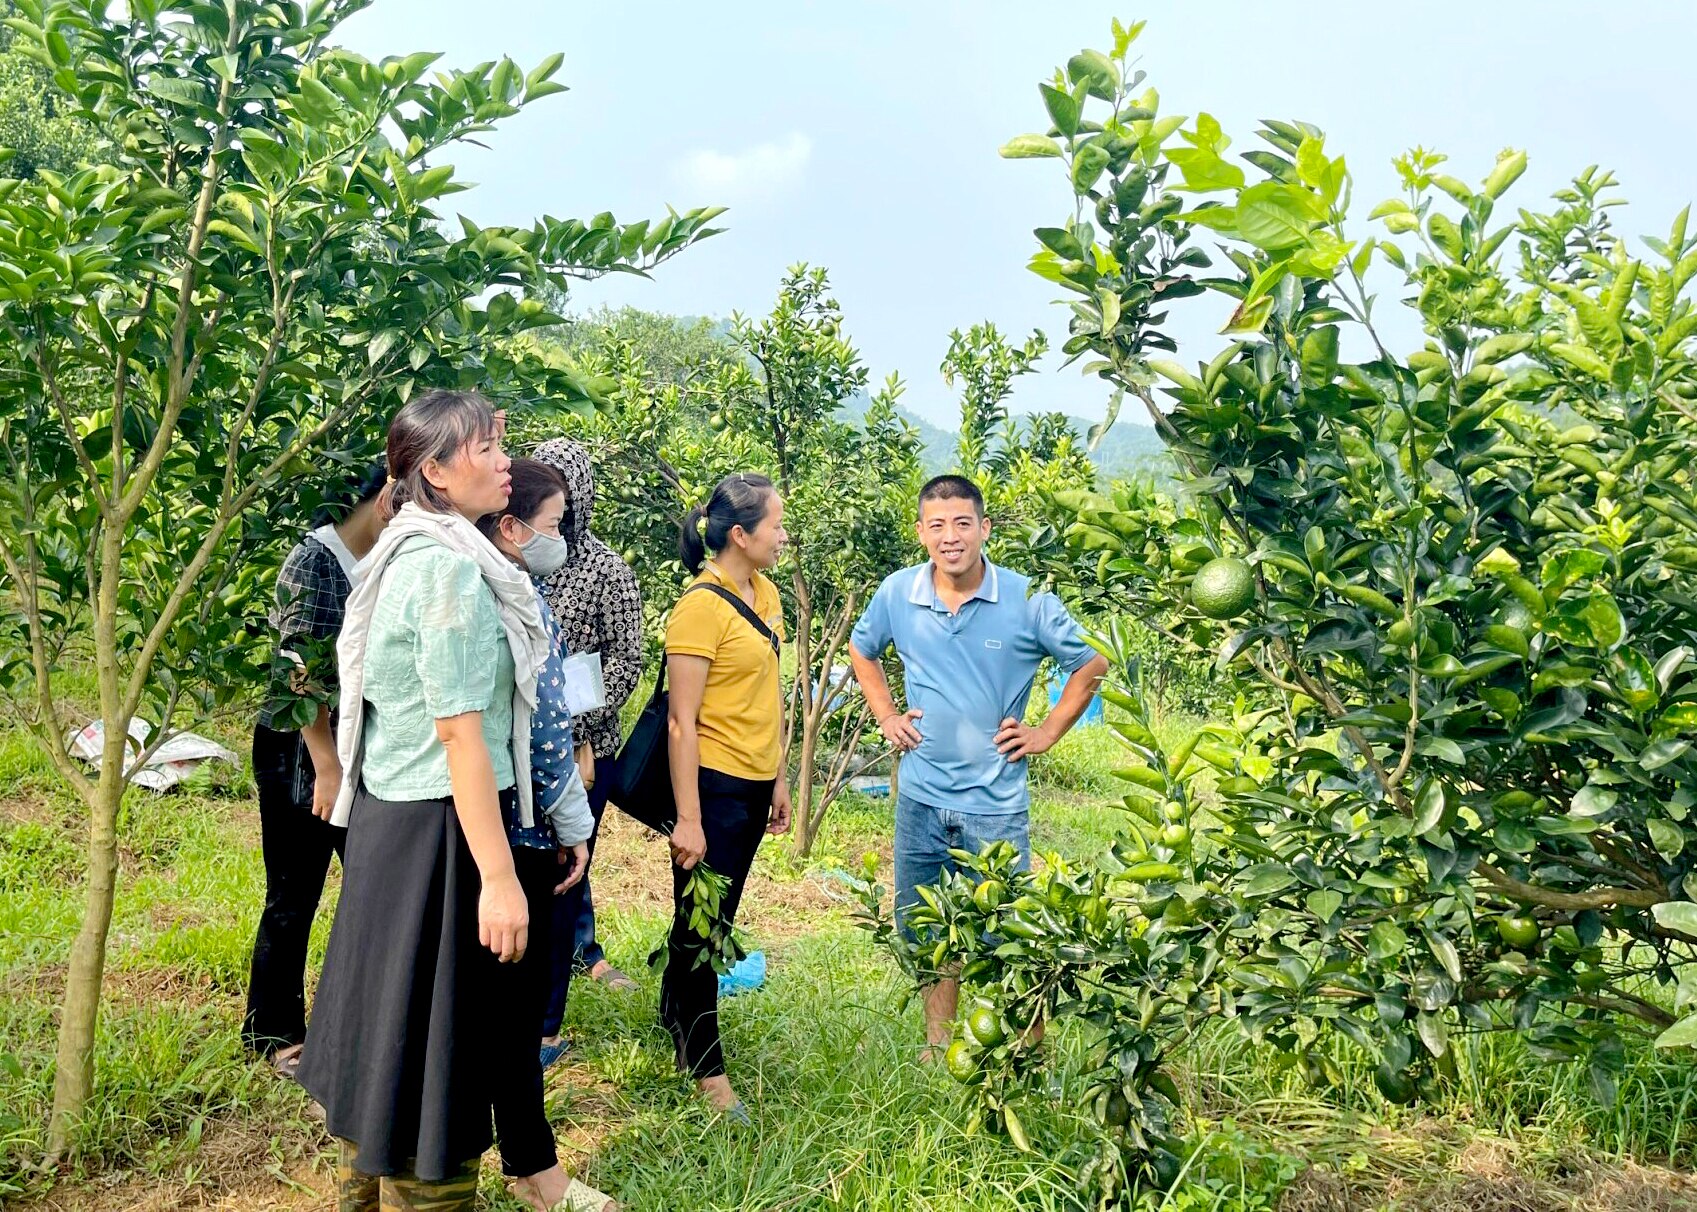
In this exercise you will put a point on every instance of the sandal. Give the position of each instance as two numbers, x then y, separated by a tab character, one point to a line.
611	977
285	1062
553	1052
579	1197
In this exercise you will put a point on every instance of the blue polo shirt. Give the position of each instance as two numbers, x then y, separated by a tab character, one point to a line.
968	672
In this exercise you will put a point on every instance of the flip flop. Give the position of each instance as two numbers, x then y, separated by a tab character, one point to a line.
738	1114
553	1052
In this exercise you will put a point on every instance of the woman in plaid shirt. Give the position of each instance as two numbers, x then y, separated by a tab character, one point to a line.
295	766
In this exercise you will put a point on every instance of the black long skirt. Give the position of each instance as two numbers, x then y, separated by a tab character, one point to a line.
398	1045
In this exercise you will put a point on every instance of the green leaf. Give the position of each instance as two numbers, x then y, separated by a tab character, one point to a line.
1677	915
1311	161
1666	837
1385	941
1205	171
1324	903
1569	568
381	344
1682	1034
1031	147
1663	752
1063	110
1446	954
1096	72
1429	807
1433	1033
1275	216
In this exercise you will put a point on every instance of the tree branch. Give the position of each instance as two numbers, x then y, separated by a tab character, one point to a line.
1595	898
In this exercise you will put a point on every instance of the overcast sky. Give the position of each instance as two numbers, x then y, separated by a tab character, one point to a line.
862	136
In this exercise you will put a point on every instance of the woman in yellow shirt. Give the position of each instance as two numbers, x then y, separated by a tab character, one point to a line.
724	723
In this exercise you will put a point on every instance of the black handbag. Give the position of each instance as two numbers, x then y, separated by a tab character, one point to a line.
641	785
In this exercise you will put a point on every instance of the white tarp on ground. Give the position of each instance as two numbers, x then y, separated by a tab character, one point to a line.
169	764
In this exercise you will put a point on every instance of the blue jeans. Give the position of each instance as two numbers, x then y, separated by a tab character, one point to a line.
925	835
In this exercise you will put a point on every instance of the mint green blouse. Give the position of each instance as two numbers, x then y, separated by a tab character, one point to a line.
436	650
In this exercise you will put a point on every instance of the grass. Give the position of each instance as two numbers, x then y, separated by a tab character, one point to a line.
824	1053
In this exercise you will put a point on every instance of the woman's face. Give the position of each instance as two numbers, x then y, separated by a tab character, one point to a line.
475	480
512	533
766	542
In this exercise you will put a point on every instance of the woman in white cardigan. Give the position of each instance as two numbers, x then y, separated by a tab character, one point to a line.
438	658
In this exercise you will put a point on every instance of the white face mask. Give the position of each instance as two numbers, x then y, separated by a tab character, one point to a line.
544	554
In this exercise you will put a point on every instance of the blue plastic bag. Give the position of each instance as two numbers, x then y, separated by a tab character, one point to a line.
749	973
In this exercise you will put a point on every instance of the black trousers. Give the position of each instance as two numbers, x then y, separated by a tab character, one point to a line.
296	846
517	992
734	815
574	918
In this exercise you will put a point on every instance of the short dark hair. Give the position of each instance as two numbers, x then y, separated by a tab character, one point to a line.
358	486
951	488
534	482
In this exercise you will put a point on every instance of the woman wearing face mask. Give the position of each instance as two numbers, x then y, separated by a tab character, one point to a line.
724	720
439	655
527	532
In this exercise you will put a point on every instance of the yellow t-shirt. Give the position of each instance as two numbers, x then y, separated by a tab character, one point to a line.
741	716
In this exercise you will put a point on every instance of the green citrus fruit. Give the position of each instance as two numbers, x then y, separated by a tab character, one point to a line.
1517	930
1223	588
1401	633
1116	1110
1515	614
988	895
1173	812
984	1026
1592	979
961	1061
1175	836
1394	1086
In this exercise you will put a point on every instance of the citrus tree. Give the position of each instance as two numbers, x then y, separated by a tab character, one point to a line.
251	281
849	491
1458	797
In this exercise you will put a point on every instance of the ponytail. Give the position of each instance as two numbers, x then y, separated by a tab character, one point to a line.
692	544
738	500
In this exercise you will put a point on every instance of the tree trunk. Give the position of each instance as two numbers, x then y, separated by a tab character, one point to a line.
73	1078
810	723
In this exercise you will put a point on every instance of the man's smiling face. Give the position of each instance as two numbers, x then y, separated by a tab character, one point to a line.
953	534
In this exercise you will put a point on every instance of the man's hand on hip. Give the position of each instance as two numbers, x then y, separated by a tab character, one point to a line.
898	729
1016	740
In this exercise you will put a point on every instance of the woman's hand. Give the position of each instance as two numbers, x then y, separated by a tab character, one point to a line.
578	857
781	809
503	918
689	843
586	764
326	786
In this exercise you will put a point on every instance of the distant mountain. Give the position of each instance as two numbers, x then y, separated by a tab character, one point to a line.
1128	448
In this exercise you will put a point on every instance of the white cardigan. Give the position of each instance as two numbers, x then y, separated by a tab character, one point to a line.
515	598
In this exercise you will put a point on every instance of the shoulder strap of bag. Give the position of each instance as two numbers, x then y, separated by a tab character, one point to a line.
742	608
747	612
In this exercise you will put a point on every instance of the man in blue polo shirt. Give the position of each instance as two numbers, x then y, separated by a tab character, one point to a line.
970	641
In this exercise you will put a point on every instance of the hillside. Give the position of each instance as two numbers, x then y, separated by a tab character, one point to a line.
1129	448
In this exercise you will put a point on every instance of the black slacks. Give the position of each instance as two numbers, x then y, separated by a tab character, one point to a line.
296	846
734	815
